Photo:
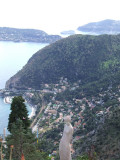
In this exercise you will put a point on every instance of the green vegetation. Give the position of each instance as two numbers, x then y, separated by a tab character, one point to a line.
108	136
18	111
78	57
84	157
109	64
80	76
21	139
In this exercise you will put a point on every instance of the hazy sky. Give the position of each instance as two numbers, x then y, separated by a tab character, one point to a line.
54	16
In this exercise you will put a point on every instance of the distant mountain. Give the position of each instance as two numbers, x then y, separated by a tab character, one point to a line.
78	57
102	27
26	35
66	33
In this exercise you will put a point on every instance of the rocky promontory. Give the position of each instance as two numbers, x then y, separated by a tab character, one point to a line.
26	35
107	26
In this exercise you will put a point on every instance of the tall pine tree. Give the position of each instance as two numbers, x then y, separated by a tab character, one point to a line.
18	111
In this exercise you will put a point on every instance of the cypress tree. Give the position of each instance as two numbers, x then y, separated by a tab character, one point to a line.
18	111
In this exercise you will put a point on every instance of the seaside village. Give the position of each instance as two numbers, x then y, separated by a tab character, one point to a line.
48	114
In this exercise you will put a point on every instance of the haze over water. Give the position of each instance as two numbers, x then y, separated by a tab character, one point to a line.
13	56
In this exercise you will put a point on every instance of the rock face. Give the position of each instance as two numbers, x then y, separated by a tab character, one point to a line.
14	83
65	147
101	27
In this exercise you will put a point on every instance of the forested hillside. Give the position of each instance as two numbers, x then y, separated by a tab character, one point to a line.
78	57
76	76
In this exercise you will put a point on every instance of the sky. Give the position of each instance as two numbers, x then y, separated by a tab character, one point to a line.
54	16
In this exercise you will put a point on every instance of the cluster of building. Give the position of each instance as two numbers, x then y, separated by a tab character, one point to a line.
78	108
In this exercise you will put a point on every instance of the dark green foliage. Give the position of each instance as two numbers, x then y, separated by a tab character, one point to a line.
84	157
105	137
46	142
24	141
45	145
108	136
21	139
48	97
78	57
95	60
36	99
18	111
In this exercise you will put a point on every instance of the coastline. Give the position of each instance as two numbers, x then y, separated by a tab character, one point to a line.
32	113
8	100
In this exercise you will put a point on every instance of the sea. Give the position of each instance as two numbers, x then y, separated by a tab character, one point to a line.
13	56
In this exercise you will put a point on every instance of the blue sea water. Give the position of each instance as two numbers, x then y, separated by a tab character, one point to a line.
13	56
4	114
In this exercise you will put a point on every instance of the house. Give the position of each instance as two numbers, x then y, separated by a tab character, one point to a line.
52	111
100	113
64	88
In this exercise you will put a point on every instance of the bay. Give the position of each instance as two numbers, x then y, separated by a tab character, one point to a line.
13	56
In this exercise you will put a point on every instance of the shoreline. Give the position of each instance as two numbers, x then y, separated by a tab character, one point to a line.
7	100
32	113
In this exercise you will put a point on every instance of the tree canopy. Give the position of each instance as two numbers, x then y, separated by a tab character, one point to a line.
18	111
23	142
78	57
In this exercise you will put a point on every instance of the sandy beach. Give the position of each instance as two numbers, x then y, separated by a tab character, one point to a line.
8	100
32	113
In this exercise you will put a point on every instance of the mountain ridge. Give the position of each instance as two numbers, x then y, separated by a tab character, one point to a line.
107	26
